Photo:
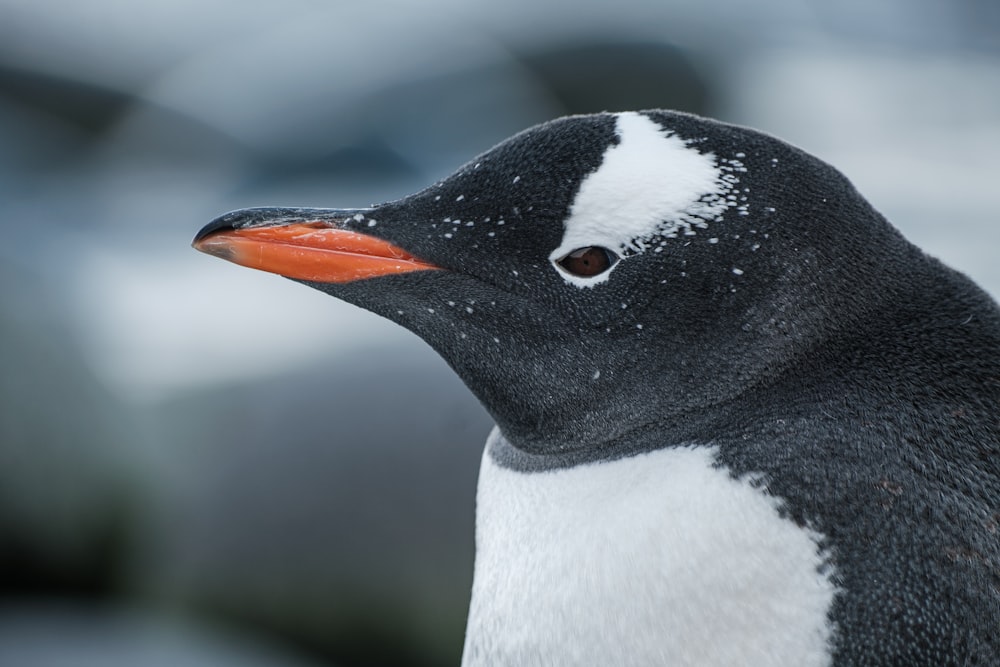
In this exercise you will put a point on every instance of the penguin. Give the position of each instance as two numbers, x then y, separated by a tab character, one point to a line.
740	420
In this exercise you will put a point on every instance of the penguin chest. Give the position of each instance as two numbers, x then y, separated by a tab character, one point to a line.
661	558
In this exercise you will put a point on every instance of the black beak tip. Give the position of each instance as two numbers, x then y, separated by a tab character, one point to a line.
222	223
269	217
244	217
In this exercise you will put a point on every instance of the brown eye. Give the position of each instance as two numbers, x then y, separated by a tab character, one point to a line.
587	262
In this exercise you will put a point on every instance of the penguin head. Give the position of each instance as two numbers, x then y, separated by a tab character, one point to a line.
596	276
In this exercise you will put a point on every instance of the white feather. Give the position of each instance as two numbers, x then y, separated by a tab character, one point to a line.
658	559
650	183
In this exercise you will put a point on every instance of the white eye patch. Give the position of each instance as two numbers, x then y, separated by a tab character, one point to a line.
651	183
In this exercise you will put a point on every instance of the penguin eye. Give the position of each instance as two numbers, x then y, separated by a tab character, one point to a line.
589	261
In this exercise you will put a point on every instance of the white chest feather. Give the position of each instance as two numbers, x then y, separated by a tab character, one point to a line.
657	559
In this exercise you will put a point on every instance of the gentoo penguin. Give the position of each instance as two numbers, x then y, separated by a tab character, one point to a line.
740	420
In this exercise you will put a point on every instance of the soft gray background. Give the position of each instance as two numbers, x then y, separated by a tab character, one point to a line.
204	465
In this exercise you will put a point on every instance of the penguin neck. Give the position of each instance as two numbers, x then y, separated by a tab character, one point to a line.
645	406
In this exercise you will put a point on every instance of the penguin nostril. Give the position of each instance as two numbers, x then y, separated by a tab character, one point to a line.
589	261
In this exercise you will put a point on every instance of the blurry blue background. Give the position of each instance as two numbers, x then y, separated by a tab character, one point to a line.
205	465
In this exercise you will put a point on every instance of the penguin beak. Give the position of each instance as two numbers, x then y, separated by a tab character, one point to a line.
304	244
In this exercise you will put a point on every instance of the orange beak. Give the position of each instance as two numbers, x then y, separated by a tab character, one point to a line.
311	251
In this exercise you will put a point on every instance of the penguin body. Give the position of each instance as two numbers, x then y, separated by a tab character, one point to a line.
740	419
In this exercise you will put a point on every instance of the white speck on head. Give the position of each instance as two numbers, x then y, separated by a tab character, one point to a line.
738	272
496	340
638	326
755	247
713	241
491	234
500	222
515	272
430	310
459	197
463	335
516	179
650	183
596	375
437	198
372	223
468	309
470	223
448	219
451	303
448	235
399	312
358	217
661	558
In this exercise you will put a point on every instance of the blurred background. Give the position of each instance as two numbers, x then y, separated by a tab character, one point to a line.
204	465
